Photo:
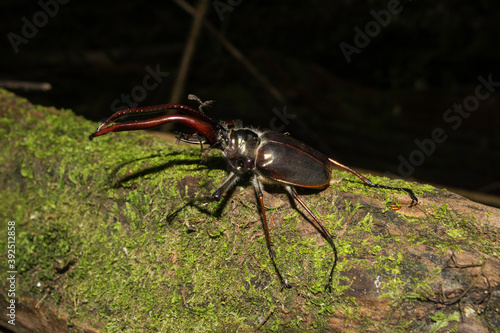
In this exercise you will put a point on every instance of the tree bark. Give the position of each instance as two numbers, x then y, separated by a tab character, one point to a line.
104	242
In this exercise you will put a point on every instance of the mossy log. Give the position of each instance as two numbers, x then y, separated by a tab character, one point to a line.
96	251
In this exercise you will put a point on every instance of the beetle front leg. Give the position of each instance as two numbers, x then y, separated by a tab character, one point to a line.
258	191
228	183
324	231
216	196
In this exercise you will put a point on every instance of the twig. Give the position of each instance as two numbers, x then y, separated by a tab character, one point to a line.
198	14
265	319
26	85
462	295
40	301
237	54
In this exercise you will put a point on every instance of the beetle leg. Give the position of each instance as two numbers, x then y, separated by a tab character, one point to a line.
216	196
325	232
228	183
258	191
414	199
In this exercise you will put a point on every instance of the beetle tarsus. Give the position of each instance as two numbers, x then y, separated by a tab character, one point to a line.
285	285
258	191
414	199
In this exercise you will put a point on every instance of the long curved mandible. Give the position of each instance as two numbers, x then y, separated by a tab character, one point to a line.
206	129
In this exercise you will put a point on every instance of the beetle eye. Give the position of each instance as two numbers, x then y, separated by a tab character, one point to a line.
240	164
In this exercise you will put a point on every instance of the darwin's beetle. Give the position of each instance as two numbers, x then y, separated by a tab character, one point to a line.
268	157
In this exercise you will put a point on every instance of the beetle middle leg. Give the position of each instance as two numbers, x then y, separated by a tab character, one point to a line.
324	231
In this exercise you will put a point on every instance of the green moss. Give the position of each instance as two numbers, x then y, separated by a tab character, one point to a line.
95	241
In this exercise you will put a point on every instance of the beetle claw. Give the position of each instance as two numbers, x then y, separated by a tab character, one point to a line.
285	285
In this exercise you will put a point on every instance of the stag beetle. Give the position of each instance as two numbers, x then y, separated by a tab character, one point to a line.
268	157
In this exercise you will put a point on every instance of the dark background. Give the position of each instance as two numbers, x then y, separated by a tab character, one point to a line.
366	113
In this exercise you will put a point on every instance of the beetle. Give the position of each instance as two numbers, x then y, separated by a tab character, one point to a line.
266	156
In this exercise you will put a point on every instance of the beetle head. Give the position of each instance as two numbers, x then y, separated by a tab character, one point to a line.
241	149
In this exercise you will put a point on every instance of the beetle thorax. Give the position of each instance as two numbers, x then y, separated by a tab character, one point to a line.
241	149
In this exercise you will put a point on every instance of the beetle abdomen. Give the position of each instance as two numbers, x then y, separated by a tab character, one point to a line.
284	159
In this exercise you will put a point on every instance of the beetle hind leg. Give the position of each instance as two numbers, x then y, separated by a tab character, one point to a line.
414	199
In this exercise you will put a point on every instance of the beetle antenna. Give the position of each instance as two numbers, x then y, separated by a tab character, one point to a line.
203	105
